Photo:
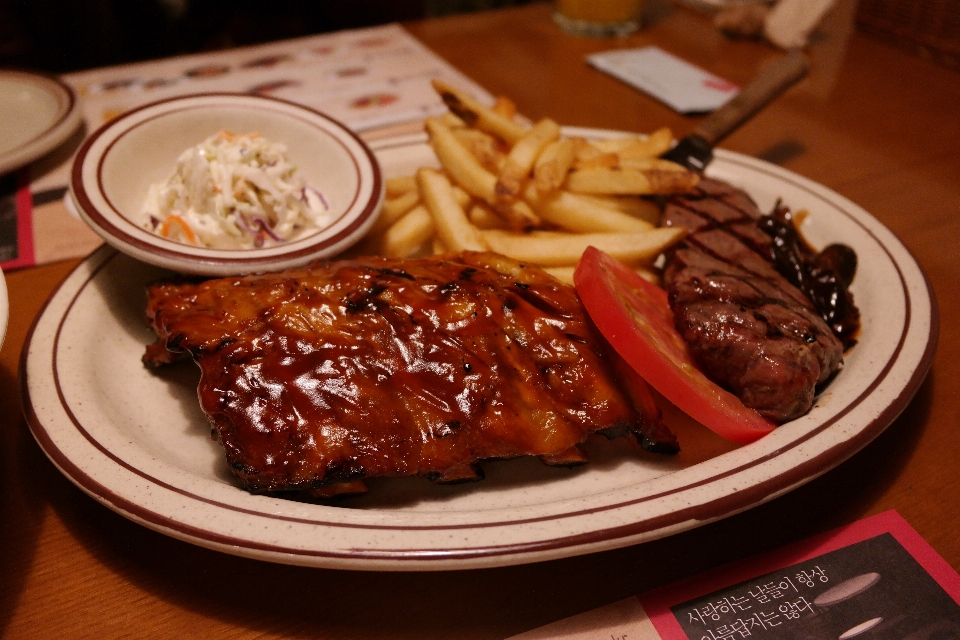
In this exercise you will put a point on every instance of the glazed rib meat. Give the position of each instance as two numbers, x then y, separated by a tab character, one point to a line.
750	330
316	378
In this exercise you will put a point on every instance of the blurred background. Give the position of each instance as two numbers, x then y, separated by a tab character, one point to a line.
58	36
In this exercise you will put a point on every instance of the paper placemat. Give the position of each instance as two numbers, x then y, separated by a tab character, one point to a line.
374	80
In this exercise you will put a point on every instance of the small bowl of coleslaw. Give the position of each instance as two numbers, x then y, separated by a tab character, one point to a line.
226	184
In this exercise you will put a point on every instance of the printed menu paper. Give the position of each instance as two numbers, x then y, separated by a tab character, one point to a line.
374	80
874	579
366	78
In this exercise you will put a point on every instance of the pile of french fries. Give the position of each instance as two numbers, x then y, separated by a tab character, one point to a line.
530	193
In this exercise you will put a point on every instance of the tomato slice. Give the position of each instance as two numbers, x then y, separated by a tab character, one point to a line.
635	318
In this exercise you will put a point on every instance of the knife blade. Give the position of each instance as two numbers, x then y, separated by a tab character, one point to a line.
695	151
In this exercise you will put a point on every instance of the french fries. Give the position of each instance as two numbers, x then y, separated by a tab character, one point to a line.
483	146
408	234
396	187
483	217
530	193
554	164
476	115
394	209
449	220
523	155
555	249
653	146
505	107
518	215
462	165
636	207
580	214
623	181
588	156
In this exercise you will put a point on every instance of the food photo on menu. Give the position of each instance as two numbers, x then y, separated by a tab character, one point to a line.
346	305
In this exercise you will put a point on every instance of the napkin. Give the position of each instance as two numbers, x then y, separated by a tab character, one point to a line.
790	22
684	87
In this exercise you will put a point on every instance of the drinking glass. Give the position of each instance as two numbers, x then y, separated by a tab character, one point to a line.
598	18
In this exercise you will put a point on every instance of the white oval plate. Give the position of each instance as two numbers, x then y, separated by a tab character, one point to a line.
37	113
137	441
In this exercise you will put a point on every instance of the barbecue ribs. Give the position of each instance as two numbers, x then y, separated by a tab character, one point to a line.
316	378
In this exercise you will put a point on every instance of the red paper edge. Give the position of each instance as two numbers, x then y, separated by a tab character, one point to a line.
25	254
657	603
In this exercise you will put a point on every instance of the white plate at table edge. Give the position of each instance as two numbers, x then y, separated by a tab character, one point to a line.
51	132
517	521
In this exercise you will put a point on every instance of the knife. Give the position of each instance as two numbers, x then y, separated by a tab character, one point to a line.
695	151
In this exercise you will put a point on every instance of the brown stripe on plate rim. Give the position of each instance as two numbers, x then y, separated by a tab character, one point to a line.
647	498
64	107
710	510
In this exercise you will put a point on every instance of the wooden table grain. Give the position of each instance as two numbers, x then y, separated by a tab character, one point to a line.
876	124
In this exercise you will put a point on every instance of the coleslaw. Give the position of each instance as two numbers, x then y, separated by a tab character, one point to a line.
235	192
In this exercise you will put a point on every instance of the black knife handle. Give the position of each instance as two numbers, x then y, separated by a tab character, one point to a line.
771	82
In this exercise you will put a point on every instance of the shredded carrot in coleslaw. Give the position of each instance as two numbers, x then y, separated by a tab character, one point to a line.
166	228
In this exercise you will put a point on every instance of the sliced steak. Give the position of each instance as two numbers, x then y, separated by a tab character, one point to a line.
751	330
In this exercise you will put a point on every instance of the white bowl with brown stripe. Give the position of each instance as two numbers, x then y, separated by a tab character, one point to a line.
117	164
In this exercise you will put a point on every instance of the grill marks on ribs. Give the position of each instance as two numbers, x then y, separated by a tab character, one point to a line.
749	329
317	378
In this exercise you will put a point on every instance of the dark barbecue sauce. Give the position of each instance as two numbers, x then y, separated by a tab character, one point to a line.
824	276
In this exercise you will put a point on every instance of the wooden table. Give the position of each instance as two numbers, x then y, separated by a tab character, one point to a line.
875	124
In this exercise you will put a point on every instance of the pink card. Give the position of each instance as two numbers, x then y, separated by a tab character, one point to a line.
16	221
876	578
